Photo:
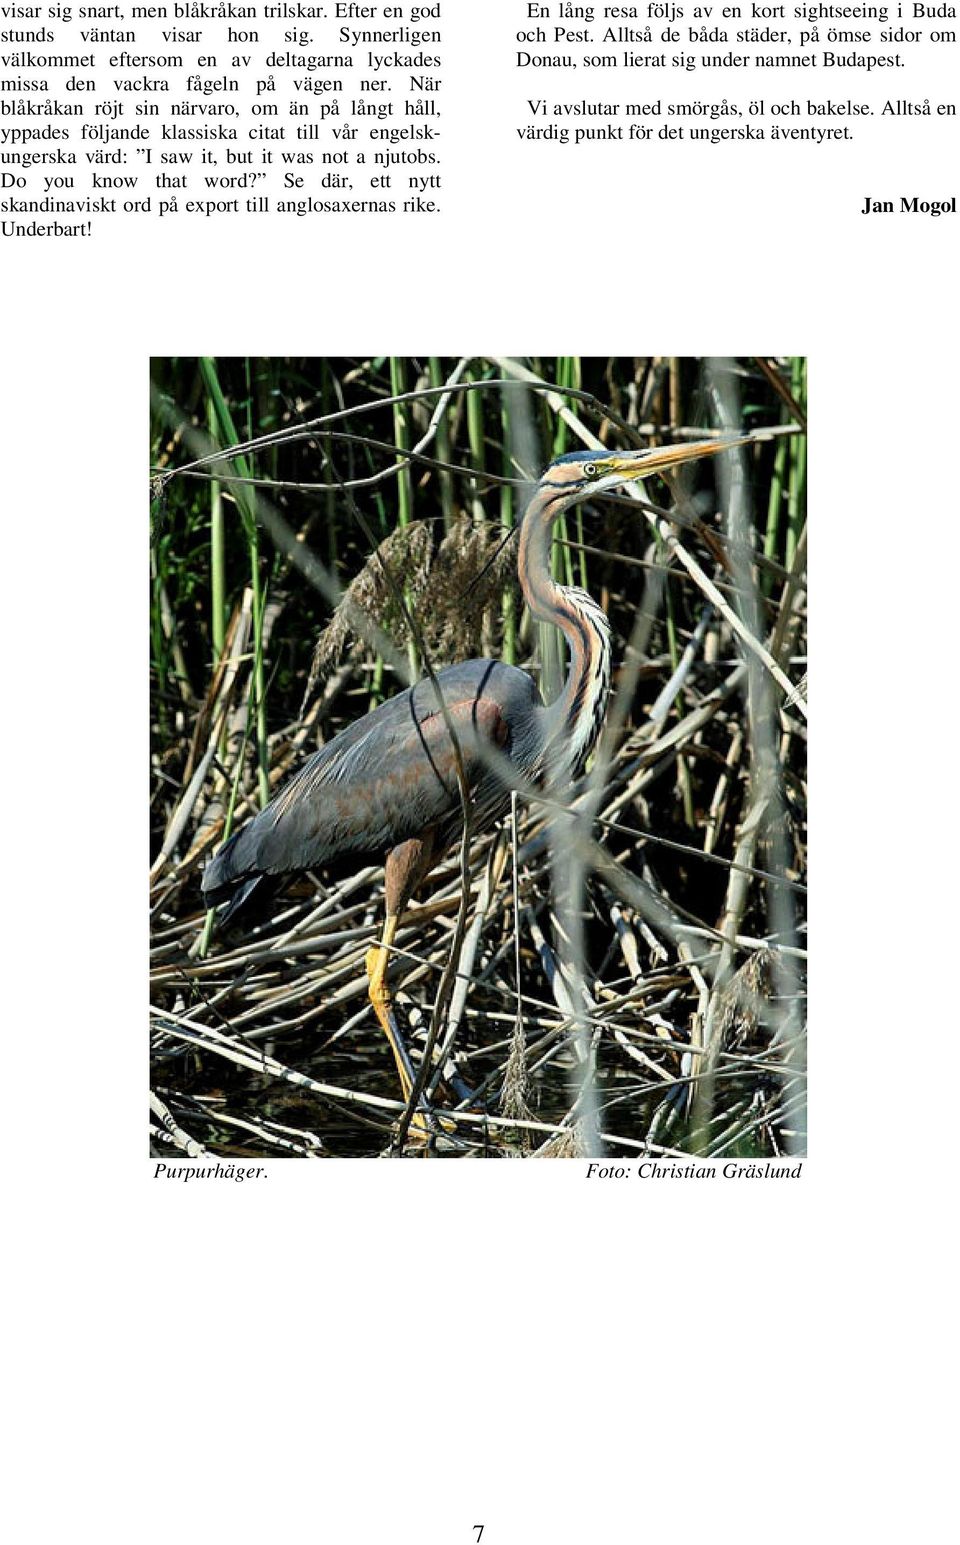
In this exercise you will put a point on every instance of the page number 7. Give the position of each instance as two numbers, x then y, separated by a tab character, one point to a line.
479	1529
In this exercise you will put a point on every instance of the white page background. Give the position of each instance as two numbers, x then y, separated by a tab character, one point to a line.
372	1352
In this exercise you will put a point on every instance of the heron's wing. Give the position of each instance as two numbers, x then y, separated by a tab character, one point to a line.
387	778
388	785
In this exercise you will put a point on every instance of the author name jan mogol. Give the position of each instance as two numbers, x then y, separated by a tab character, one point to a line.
909	206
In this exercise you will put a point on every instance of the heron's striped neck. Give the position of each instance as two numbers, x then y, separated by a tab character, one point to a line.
574	721
582	705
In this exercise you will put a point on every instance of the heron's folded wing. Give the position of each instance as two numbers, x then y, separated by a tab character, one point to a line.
384	780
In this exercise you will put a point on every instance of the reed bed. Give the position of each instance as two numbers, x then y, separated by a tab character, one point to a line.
623	974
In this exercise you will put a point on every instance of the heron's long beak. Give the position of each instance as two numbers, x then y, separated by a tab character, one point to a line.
662	458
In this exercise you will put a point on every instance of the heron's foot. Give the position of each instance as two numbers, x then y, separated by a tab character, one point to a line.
426	1123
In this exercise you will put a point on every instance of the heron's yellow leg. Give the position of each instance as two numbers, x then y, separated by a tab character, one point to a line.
378	958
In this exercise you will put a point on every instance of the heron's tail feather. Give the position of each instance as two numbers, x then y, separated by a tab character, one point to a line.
239	896
232	876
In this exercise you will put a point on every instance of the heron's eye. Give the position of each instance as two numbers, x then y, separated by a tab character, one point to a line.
590	469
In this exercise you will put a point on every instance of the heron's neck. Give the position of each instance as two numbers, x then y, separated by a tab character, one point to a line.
574	721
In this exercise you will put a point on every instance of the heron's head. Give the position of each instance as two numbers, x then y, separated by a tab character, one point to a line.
582	474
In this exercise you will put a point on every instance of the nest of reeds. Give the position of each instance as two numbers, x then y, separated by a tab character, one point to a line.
624	974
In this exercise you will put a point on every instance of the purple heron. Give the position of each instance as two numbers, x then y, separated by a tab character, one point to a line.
388	785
